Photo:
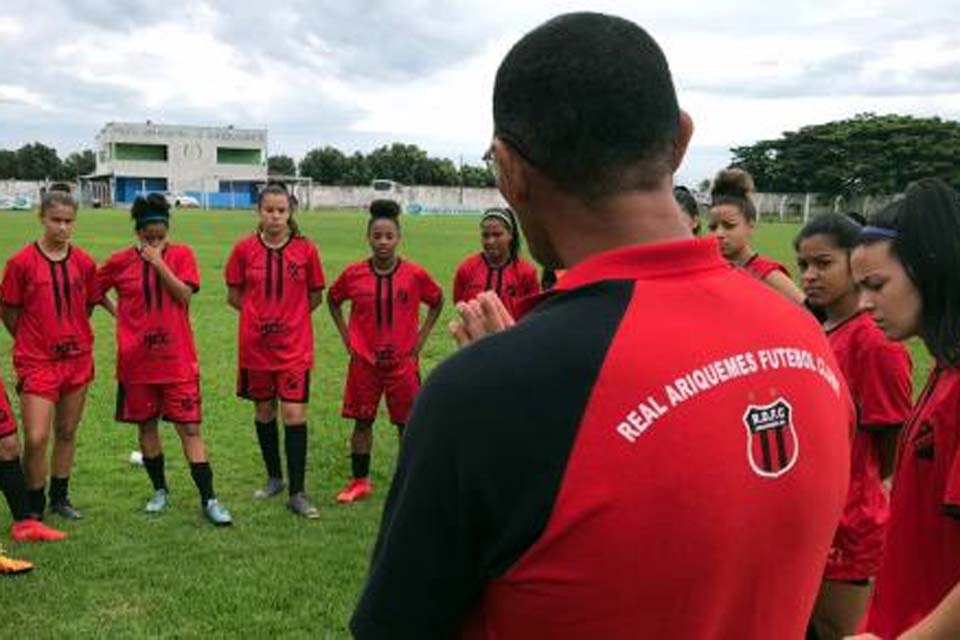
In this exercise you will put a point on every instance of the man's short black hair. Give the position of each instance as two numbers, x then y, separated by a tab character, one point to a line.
588	100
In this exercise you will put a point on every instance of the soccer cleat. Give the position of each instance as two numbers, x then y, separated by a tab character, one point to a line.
358	489
300	505
217	514
31	530
66	510
158	502
11	567
272	487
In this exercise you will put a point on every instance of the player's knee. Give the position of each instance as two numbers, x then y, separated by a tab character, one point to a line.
294	414
265	411
9	447
36	439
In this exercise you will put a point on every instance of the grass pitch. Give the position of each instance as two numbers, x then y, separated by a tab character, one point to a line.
125	574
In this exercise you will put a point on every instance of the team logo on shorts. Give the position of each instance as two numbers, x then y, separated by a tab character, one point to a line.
772	445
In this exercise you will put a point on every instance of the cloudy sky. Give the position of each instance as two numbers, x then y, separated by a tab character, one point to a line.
360	73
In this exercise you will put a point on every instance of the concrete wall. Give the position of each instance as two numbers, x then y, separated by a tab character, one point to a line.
414	199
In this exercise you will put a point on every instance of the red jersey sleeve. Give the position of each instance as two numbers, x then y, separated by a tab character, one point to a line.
94	297
236	266
106	275
460	283
315	279
184	266
529	282
430	291
11	289
339	291
886	386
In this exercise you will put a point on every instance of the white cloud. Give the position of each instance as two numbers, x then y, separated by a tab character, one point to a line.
18	95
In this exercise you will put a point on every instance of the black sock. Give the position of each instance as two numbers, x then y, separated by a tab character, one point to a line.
154	467
295	442
203	478
361	464
14	489
400	428
38	501
269	437
58	489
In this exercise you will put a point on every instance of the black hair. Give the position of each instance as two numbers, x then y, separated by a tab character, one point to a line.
688	204
588	100
923	230
279	188
384	209
149	209
857	217
842	230
499	213
734	186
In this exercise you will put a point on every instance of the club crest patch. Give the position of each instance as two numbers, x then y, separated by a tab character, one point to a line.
772	445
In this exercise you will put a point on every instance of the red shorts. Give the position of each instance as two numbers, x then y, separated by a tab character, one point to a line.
177	402
367	383
8	424
55	379
290	385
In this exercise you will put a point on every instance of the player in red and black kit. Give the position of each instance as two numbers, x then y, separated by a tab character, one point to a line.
384	337
499	266
908	269
878	374
594	472
275	280
48	293
732	218
157	370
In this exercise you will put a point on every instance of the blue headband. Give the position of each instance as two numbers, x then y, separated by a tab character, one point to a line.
153	216
871	232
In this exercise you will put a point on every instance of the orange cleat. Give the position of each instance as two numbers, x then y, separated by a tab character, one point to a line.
11	567
358	489
30	530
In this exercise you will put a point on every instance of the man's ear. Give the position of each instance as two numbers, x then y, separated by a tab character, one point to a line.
513	174
684	133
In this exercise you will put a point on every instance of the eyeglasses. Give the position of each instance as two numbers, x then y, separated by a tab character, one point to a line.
490	158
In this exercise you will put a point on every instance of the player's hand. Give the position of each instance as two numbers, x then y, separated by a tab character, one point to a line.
482	316
151	253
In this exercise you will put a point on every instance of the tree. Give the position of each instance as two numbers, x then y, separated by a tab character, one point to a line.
477	176
281	165
78	163
8	164
866	154
37	162
327	166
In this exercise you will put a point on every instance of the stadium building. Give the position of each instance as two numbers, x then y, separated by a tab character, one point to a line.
217	166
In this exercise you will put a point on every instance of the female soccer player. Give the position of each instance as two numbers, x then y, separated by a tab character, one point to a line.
690	208
732	218
908	268
157	369
48	293
384	337
499	266
878	374
275	280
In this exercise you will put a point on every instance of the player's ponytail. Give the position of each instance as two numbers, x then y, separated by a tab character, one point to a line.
733	187
149	209
384	209
279	188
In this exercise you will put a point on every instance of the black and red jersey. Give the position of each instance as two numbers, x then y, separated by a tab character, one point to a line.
594	473
54	298
512	281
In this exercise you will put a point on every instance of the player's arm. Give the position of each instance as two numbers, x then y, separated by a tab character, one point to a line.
427	327
109	305
235	297
782	283
11	318
886	440
316	299
336	312
943	623
180	290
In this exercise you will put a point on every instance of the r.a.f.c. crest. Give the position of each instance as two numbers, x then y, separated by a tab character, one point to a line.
772	445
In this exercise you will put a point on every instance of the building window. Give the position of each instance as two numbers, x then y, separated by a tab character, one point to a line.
140	152
230	155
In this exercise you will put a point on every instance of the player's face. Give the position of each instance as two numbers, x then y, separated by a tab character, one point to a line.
274	214
496	240
824	270
58	222
384	236
886	290
731	228
154	234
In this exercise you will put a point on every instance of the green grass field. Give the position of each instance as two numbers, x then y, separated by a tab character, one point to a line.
124	574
